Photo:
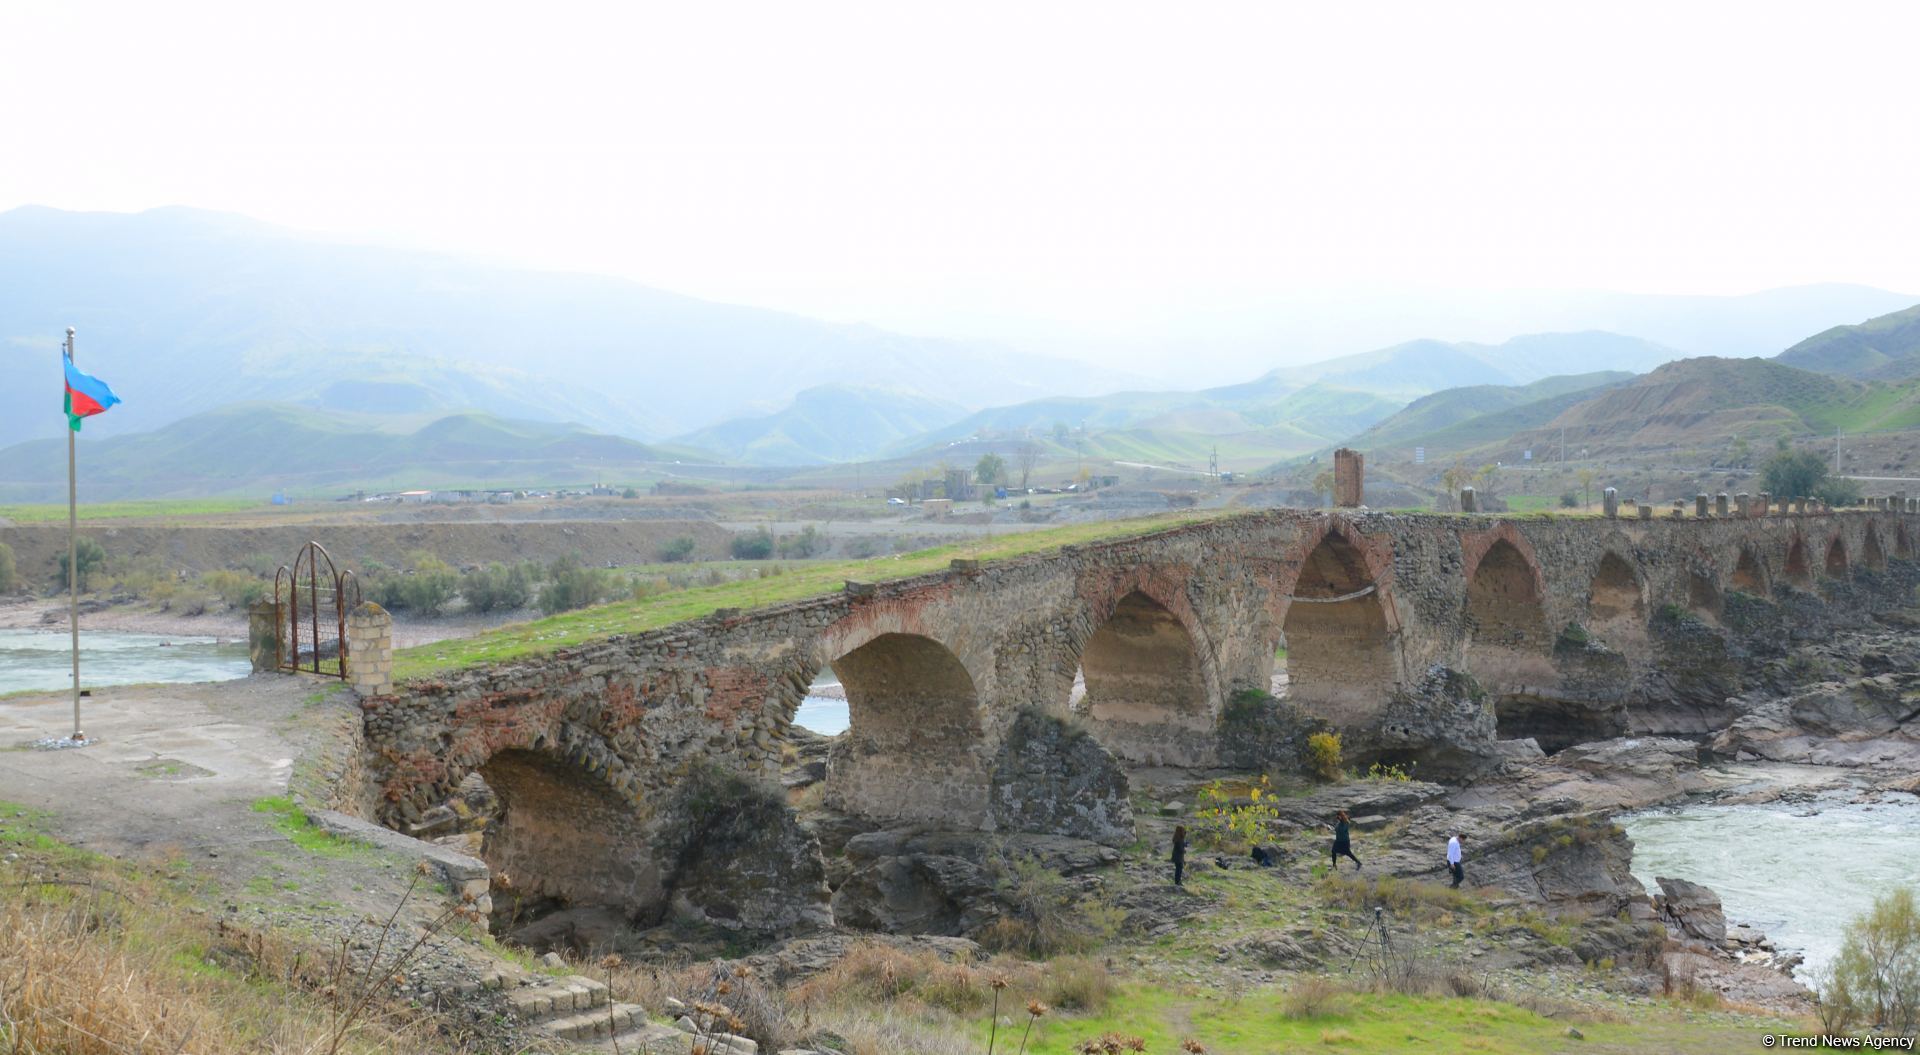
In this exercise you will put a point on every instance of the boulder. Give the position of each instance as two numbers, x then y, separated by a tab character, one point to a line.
742	862
1690	910
1054	777
915	894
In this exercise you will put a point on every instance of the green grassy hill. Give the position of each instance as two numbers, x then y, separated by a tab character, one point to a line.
1886	348
1695	405
1452	417
829	423
255	448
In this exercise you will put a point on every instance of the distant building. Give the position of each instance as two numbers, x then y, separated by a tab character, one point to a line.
937	508
414	496
959	484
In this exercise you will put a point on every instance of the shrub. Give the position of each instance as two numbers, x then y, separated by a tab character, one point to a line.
1323	753
807	543
1047	915
677	549
429	587
1314	996
1876	977
9	574
497	588
90	557
1234	824
237	588
630	493
752	545
1569	500
572	586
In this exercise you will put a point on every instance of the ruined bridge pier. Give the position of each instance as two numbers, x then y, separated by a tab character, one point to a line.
1569	628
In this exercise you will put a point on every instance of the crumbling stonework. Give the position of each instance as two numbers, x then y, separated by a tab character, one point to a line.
1349	478
1439	637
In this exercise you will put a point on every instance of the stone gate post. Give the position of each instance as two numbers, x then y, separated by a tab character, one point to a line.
263	636
370	650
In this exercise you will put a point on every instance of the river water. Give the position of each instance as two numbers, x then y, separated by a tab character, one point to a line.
824	710
40	660
1798	872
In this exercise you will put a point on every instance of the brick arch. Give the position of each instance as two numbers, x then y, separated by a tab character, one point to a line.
1798	569
1872	556
570	826
1750	574
914	734
1617	598
1836	564
1343	656
1152	684
1704	596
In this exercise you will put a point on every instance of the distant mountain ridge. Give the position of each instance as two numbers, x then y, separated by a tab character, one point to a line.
184	310
828	423
258	448
1886	348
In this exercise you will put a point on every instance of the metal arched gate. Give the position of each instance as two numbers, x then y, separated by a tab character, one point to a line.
313	599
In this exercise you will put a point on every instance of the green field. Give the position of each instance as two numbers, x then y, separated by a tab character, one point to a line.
802	581
40	513
1253	1023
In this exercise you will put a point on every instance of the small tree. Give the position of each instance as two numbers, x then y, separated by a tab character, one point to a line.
991	469
1586	478
752	545
429	587
1569	500
1323	485
1027	457
630	493
237	588
676	549
809	542
91	557
1876	977
497	588
572	585
1804	474
9	575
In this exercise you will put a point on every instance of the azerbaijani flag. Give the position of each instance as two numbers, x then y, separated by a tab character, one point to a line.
86	395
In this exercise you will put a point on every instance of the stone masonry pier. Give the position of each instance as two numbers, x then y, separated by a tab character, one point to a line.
1454	641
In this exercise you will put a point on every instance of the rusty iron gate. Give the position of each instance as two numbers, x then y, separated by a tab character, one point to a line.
313	599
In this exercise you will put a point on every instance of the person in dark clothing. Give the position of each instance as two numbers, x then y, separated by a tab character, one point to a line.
1343	841
1179	853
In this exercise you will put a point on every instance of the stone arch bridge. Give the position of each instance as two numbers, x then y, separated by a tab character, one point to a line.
973	693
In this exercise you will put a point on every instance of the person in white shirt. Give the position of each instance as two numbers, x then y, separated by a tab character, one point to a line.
1453	859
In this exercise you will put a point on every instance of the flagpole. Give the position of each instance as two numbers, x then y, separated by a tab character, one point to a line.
73	563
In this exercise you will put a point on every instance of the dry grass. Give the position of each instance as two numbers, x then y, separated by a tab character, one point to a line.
1316	996
876	974
102	959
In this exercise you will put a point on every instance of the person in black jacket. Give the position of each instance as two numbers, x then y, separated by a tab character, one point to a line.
1343	841
1179	853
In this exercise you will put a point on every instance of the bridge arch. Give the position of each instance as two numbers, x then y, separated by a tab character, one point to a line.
1508	638
1750	574
1703	593
1872	556
1617	601
1343	656
1798	570
1148	692
566	830
1836	566
912	746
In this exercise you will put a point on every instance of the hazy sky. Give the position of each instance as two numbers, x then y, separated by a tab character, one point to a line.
981	167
